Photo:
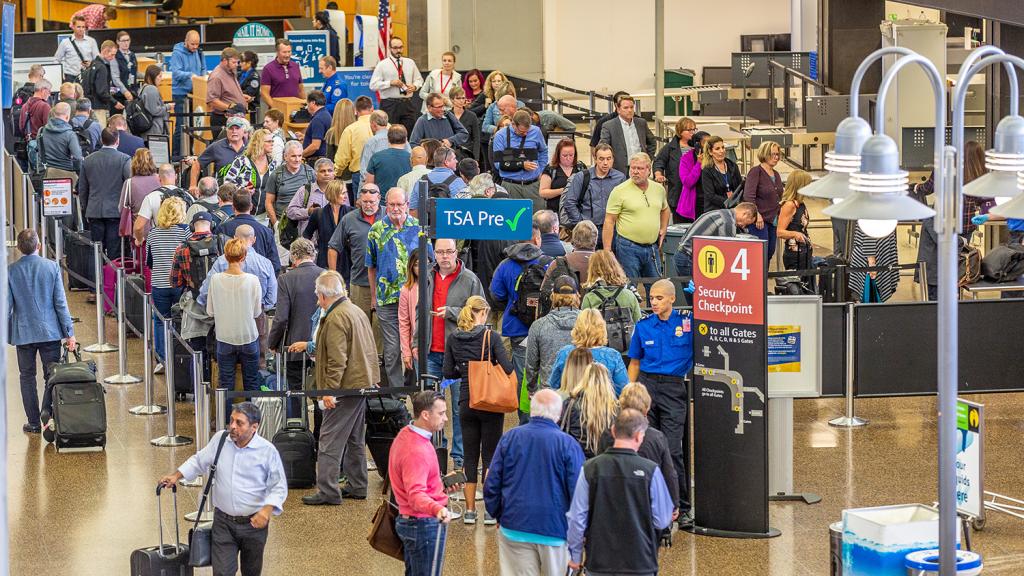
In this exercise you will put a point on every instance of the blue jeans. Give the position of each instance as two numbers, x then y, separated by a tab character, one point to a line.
163	299
180	103
246	354
637	260
435	364
420	539
49	353
684	267
767	234
519	365
357	179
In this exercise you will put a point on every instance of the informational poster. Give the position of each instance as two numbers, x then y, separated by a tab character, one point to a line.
357	82
730	401
783	348
794	346
253	34
7	66
57	197
969	459
308	46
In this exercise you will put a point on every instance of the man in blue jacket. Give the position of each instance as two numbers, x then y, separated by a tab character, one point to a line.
186	61
529	490
38	319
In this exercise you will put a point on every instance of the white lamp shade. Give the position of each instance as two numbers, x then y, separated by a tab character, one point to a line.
877	228
993	184
862	206
832	185
1012	209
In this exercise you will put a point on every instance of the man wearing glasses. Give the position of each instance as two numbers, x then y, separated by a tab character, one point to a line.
346	251
637	217
396	79
439	124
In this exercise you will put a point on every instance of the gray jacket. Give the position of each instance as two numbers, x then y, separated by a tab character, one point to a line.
466	284
296	303
58	146
151	100
99	185
548	335
611	134
578	204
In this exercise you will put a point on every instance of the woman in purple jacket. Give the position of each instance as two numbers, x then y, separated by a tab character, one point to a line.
764	188
691	200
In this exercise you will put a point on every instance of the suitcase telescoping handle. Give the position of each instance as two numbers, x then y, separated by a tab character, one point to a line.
160	519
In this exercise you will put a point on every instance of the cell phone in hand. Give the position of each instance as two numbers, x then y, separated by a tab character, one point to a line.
457	477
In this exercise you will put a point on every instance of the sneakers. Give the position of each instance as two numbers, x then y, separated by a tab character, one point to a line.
489	520
32	428
685	520
159	368
371	465
469	517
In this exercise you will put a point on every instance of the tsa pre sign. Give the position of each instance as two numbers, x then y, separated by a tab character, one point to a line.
483	219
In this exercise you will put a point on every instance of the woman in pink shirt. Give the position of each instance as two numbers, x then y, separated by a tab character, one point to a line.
408	298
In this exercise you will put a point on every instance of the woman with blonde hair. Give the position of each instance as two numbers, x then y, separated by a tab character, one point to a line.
590	410
161	242
481	430
344	114
251	168
606	281
234	302
793	220
324	220
591	332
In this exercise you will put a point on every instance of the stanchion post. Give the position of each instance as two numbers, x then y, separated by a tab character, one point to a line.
101	346
42	232
150	407
850	420
58	246
220	405
202	429
172	438
122	376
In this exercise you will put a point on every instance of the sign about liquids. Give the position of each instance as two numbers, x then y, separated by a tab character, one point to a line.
730	432
969	461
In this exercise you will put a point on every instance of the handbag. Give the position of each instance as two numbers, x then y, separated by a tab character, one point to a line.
124	226
383	537
490	388
970	264
200	537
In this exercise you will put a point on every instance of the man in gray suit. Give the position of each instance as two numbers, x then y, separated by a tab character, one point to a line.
99	188
627	135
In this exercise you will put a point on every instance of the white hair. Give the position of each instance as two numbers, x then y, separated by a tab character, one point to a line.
292	144
329	285
546	403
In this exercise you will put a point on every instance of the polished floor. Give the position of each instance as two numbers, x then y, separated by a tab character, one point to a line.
83	514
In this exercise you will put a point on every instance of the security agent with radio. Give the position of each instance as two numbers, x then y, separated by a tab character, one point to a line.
251	486
661	357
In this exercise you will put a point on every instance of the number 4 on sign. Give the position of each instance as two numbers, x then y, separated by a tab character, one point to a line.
739	265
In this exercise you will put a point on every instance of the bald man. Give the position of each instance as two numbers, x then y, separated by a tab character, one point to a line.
186	61
660	357
419	168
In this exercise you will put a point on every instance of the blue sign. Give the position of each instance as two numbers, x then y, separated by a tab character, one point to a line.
7	62
308	47
357	81
483	219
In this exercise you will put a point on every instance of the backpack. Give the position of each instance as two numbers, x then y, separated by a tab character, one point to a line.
527	306
618	320
84	140
19	130
139	121
201	256
1003	263
89	82
559	267
219	215
175	192
441	189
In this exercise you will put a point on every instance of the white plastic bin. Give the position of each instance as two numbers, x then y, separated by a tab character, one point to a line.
926	563
877	540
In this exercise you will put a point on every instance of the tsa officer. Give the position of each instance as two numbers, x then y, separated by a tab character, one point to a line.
334	87
660	357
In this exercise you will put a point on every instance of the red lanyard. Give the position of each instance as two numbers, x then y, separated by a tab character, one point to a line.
398	66
444	85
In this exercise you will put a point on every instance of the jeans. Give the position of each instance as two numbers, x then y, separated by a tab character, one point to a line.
637	260
420	538
357	179
230	354
49	353
163	298
180	103
229	539
104	230
388	316
767	234
435	362
684	267
519	364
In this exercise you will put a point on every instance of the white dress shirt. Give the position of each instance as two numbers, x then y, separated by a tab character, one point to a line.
68	57
387	70
247	479
632	139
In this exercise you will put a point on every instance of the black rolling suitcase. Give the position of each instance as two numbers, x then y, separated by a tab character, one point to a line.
181	363
78	259
134	302
78	407
297	447
165	559
385	418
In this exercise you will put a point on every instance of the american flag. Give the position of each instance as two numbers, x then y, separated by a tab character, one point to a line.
384	28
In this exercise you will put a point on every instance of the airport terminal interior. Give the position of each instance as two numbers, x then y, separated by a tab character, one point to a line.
870	275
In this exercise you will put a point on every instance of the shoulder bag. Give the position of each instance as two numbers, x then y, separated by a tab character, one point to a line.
490	388
200	537
383	537
124	226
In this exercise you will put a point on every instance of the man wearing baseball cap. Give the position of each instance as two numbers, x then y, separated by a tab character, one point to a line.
221	152
192	262
551	332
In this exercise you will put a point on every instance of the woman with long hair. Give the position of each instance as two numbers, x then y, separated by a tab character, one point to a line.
763	187
556	174
591	332
607	280
793	220
590	410
481	430
344	114
324	220
250	170
153	103
473	84
691	199
408	299
322	21
468	119
161	242
720	177
144	180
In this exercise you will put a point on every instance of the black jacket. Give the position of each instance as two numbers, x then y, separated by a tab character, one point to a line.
667	162
472	124
655	449
296	302
570	424
322	224
100	94
128	69
463	347
713	185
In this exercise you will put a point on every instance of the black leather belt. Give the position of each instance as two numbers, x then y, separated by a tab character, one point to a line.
230	518
519	182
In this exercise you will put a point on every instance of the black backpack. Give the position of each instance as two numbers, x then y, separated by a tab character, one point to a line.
175	192
441	189
20	131
89	81
84	140
618	320
1003	263
214	210
201	256
139	121
527	306
559	267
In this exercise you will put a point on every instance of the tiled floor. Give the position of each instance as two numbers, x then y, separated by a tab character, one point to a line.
84	513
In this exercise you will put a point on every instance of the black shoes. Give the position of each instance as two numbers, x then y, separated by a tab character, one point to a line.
685	520
352	495
318	500
32	428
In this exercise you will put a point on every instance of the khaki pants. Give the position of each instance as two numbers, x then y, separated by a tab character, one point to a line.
519	559
360	296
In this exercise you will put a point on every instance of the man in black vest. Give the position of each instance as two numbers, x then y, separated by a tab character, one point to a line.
620	505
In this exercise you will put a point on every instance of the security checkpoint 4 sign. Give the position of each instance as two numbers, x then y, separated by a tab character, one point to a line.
483	219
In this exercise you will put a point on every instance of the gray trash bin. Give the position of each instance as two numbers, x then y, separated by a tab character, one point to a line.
835	548
673	235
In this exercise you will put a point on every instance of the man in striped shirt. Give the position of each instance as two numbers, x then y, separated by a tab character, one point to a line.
723	223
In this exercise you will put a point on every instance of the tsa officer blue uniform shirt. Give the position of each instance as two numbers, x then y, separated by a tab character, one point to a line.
334	90
664	346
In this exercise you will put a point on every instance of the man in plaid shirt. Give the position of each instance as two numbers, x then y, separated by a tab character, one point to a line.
181	268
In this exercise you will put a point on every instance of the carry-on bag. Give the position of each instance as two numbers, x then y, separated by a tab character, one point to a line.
272	409
385	418
200	537
383	537
78	408
490	388
79	261
295	444
165	559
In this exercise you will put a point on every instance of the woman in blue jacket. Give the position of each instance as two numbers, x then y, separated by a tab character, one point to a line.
591	332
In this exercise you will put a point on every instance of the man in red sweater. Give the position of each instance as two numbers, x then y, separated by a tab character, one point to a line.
416	481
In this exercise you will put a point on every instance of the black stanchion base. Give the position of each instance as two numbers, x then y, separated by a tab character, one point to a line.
805	497
700	531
